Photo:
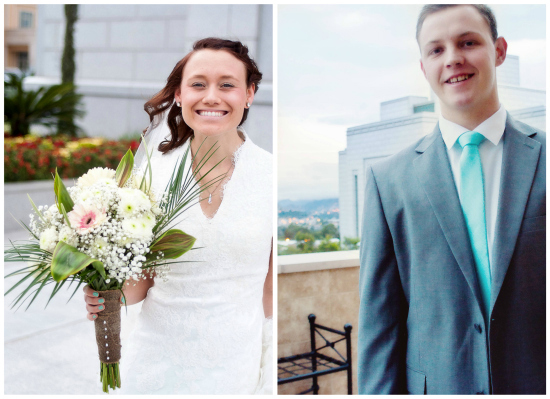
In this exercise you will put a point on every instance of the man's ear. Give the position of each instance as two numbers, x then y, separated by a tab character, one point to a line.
422	67
500	47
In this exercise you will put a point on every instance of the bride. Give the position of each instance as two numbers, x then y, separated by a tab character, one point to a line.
208	327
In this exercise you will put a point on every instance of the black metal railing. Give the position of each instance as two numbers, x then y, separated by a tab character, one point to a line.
315	364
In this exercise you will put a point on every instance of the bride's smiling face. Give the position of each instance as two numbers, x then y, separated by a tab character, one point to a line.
213	92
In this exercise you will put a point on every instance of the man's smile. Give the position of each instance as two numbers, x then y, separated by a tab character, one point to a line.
459	78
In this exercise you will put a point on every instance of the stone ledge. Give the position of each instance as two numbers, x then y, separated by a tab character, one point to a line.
129	89
317	261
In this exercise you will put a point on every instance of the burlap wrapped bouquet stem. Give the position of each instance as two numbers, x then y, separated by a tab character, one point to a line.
107	327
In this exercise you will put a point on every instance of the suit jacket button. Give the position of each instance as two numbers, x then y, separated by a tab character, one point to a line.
478	328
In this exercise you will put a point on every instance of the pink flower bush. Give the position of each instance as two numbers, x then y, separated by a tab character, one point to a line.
84	218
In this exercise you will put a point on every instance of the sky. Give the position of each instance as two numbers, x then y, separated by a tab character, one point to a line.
337	63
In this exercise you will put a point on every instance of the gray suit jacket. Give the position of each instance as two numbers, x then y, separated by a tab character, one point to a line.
421	328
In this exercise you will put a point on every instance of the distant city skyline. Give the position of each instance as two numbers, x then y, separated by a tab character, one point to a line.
337	63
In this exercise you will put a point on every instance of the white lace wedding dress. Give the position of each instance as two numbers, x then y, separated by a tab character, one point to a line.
200	332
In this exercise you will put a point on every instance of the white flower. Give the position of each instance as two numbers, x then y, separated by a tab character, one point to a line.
66	234
123	241
132	201
85	196
137	177
156	210
99	245
50	213
85	217
96	175
138	228
149	219
48	239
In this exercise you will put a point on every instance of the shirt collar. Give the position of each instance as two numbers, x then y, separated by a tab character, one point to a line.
492	128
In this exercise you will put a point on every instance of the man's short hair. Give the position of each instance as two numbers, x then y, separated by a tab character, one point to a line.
484	10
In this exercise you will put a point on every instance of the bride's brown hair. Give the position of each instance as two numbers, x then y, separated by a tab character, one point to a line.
164	99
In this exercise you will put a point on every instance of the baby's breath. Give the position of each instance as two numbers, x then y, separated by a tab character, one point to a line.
122	240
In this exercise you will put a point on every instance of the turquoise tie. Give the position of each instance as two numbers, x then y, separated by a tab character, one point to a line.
472	199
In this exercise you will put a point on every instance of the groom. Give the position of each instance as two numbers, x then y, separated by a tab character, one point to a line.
453	280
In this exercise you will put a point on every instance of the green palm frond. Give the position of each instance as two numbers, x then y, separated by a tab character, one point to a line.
39	278
54	106
184	187
36	272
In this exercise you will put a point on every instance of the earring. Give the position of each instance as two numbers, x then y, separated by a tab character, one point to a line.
178	104
248	105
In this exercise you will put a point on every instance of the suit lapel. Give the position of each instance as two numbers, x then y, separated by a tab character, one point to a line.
519	164
434	172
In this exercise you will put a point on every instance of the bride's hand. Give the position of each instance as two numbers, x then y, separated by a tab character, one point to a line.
94	303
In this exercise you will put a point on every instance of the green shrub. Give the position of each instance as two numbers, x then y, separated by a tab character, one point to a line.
54	107
36	158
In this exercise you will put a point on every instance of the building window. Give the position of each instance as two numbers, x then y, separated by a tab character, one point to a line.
25	19
424	108
23	60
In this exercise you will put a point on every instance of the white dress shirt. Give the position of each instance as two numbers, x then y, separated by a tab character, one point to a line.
490	151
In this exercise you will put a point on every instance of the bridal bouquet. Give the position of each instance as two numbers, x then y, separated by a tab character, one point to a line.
110	228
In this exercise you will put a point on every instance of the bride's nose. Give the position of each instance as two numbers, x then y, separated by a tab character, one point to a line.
211	96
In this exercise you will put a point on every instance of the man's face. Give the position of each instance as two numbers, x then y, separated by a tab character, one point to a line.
459	60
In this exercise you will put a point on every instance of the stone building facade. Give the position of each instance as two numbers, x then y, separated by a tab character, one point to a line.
124	53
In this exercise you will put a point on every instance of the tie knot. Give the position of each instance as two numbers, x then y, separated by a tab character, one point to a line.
470	138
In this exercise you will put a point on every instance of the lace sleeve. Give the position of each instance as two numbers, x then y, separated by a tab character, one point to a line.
265	384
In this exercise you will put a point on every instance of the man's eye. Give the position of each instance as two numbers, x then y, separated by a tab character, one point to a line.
469	43
435	51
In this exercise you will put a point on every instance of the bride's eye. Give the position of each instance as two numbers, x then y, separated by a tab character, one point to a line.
227	85
197	84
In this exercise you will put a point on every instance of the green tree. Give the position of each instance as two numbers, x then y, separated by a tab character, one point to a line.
67	60
293	229
331	230
305	241
48	106
351	242
327	246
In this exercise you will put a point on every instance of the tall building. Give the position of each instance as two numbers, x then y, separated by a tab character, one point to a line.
124	54
404	121
19	36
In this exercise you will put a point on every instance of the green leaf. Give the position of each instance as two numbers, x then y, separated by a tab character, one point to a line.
184	188
61	194
36	209
65	216
80	282
173	243
68	261
22	224
100	268
55	290
124	169
58	105
148	169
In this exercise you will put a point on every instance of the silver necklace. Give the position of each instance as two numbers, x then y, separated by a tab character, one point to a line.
217	185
